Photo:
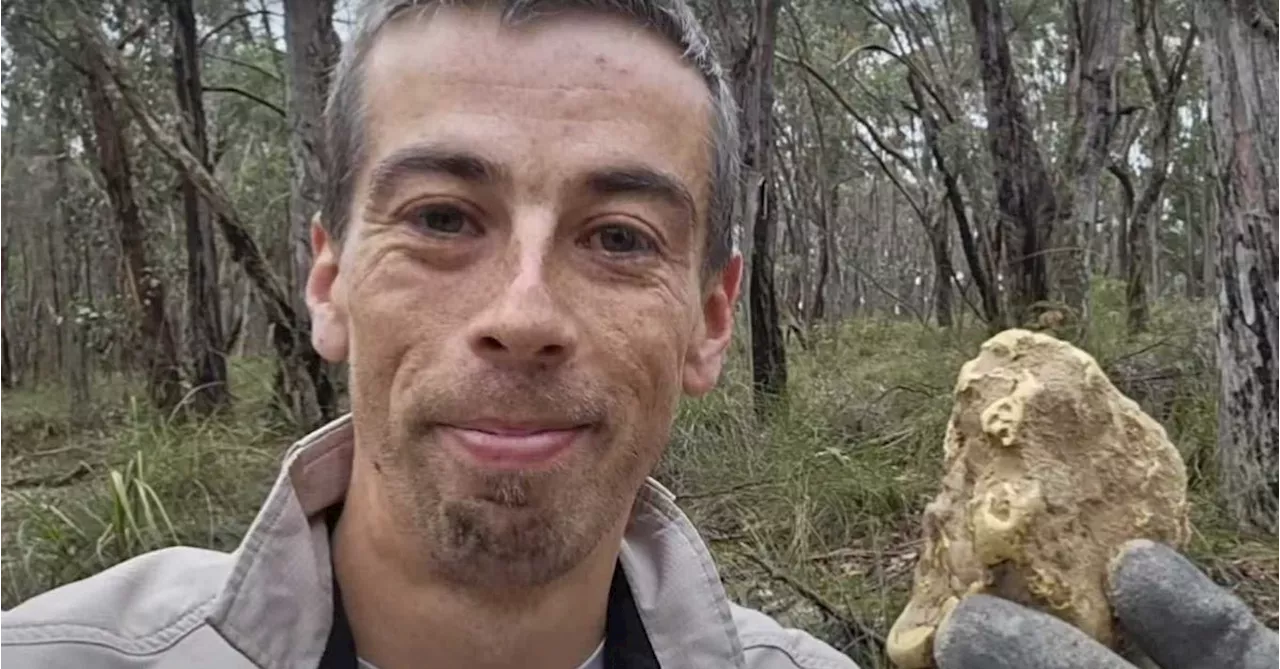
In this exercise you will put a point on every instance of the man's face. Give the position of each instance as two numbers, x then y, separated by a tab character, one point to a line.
518	293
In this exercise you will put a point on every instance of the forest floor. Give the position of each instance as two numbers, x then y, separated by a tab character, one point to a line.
813	515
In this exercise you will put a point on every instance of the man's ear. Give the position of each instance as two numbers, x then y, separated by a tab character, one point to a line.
326	297
705	357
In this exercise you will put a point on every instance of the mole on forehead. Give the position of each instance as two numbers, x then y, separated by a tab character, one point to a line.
407	67
568	42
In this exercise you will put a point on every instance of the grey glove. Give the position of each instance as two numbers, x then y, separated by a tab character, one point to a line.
1170	610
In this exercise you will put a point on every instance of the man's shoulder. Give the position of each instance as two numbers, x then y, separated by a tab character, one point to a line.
768	645
138	607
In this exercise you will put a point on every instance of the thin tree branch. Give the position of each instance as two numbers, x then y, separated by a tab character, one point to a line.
1157	42
1174	81
51	42
911	66
874	13
245	64
138	31
875	136
1141	24
1126	185
978	273
897	300
227	23
246	94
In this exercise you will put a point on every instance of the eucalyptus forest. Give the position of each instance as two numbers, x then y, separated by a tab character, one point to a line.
918	175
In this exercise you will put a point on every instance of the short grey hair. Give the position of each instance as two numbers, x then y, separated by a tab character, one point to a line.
672	20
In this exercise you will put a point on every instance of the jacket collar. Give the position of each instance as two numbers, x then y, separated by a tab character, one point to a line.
276	606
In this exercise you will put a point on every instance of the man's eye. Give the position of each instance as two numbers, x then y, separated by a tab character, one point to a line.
441	220
620	239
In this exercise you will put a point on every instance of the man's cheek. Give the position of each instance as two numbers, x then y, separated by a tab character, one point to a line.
654	367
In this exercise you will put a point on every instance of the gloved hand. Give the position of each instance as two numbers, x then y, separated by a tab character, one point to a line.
1169	609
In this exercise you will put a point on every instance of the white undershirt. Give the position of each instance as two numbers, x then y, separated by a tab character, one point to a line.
596	661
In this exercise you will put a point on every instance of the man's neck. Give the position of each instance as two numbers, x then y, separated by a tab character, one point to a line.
401	618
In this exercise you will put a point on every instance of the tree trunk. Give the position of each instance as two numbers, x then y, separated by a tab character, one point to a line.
978	269
1138	269
1121	237
1096	26
940	246
1240	63
818	304
1190	287
832	293
8	375
1207	264
1024	194
70	321
313	50
827	194
55	273
157	336
313	53
305	388
206	344
1153	233
76	374
755	96
1143	262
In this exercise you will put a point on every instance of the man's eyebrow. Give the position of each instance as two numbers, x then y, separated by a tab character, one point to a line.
431	160
643	181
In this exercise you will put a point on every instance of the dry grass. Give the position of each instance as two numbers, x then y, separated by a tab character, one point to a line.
811	514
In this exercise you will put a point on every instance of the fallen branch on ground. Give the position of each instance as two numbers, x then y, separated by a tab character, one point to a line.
859	629
53	451
727	491
59	481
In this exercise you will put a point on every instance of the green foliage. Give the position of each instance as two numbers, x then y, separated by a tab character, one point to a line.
152	482
812	514
817	507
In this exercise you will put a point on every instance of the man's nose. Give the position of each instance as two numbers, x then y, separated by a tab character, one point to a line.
525	326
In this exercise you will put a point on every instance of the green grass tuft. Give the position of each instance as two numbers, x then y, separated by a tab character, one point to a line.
812	514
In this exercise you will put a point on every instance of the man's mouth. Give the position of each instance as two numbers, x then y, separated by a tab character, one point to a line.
509	445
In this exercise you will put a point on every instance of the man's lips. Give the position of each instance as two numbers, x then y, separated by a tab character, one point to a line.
509	445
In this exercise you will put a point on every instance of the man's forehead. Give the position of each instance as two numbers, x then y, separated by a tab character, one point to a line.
560	54
461	76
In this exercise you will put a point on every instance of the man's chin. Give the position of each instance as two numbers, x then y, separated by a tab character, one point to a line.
497	543
513	490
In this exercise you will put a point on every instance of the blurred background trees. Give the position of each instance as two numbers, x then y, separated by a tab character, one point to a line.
971	165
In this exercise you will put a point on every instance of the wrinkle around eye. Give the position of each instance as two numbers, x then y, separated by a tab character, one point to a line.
652	237
472	216
598	239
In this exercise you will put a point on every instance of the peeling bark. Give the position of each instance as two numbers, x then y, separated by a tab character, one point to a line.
313	48
1240	61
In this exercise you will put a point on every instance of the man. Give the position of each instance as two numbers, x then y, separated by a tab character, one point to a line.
525	260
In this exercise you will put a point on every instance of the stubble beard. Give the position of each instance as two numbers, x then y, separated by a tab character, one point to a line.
498	531
521	530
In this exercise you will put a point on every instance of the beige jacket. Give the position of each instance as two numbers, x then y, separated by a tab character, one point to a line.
269	604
